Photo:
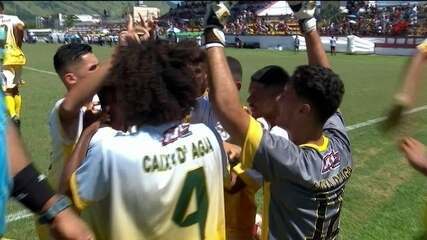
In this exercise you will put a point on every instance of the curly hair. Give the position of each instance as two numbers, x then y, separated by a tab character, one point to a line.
154	84
195	58
321	87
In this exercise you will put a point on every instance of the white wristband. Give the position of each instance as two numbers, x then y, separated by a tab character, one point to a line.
209	45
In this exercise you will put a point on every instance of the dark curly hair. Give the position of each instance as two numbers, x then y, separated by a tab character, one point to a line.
321	87
154	84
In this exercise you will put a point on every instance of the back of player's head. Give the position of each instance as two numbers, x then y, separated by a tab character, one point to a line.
321	87
69	54
154	85
271	75
235	68
195	58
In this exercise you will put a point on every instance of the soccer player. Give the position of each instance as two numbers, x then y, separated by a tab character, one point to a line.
165	179
11	37
308	173
264	91
73	62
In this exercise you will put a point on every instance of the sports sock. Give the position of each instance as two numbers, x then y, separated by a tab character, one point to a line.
18	104
10	105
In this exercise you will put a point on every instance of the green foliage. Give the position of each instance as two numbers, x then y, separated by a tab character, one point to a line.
70	20
29	10
331	13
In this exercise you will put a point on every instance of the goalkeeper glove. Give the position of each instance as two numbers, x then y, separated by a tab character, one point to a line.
216	15
304	12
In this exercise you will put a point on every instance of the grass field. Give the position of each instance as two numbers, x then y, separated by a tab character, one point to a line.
385	198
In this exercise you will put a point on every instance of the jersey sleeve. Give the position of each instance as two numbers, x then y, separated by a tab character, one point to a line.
55	126
16	21
271	155
90	182
335	126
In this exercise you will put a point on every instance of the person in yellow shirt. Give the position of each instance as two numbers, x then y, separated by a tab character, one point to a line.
11	37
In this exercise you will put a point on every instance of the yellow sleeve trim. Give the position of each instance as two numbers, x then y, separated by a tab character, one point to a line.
423	47
249	181
319	148
251	144
80	203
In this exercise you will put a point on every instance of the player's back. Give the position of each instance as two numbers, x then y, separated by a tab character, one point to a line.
163	182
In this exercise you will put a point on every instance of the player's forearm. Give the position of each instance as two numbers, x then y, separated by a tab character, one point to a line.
224	95
74	161
18	158
412	80
316	53
83	91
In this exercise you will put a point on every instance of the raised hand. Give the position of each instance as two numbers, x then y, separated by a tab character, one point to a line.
138	32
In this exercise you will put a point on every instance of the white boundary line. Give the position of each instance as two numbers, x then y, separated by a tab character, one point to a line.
382	119
25	214
38	70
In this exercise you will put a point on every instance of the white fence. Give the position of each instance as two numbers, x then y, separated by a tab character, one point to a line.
350	44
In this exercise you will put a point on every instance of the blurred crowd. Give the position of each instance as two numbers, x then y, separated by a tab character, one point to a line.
358	18
368	20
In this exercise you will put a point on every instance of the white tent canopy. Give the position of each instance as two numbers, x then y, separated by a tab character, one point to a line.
276	9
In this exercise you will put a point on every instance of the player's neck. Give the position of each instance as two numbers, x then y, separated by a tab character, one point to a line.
307	135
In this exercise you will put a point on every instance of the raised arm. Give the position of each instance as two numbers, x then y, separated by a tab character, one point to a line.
304	13
225	97
79	153
411	82
222	89
316	53
405	96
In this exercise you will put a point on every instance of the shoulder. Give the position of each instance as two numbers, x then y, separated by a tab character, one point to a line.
103	133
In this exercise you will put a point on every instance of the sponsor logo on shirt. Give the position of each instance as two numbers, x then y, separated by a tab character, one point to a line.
330	161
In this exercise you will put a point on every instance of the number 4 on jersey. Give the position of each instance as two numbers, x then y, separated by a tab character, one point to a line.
194	181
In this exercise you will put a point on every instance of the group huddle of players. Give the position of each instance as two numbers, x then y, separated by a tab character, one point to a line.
155	144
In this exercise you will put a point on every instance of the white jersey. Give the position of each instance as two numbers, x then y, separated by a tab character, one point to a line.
62	146
161	182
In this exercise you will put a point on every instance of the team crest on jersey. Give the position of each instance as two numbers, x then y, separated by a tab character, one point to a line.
330	161
173	133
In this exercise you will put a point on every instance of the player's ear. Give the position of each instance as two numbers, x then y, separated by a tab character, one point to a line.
70	79
238	85
305	108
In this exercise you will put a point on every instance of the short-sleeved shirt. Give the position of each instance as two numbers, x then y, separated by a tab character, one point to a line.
5	180
160	182
62	146
333	42
307	181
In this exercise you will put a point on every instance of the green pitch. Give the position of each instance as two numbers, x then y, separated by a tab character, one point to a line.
385	198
